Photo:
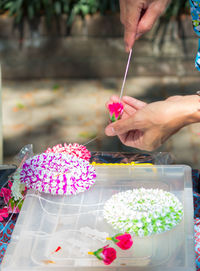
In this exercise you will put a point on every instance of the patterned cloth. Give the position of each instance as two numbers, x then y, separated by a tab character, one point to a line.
197	242
196	197
5	235
195	13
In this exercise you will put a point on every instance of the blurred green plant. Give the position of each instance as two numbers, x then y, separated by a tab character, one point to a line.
31	9
177	8
34	9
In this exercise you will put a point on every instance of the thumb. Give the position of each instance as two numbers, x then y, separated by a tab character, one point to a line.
122	126
148	19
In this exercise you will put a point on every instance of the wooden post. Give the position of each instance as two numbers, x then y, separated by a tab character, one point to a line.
1	125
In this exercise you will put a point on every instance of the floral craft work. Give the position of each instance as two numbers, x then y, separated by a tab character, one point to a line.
143	212
106	254
6	194
77	150
3	213
122	240
13	206
115	111
56	173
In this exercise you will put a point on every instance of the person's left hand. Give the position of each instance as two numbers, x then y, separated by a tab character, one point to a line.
147	126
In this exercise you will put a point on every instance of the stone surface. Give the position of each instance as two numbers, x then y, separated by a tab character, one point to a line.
48	112
92	47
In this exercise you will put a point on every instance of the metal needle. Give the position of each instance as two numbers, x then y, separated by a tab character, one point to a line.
126	71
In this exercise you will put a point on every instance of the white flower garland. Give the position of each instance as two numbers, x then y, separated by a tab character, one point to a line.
17	187
143	212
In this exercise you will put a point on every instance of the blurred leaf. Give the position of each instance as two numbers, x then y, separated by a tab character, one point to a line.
66	7
31	12
12	203
56	87
19	204
87	135
19	16
31	9
57	6
8	5
20	106
85	9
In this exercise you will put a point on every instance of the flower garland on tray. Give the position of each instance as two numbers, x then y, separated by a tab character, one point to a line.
75	159
143	212
79	151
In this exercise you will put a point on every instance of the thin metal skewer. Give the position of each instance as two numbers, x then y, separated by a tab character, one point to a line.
126	71
122	89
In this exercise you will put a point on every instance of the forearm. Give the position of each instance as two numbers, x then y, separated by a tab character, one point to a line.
187	110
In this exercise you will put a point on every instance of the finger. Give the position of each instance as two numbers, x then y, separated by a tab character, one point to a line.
133	139
121	127
135	103
129	110
122	4
133	14
147	21
113	99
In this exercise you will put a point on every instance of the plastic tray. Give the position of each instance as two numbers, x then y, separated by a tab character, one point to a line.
46	222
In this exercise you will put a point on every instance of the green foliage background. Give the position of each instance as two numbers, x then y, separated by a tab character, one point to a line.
34	9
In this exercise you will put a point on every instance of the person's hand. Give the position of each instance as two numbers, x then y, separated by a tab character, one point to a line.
138	17
131	105
147	126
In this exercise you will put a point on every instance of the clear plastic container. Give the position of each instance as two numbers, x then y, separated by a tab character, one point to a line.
46	222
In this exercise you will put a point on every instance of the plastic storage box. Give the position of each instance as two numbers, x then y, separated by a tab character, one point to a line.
47	222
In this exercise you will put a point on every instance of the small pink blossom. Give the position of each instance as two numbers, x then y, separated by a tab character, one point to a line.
12	206
3	213
5	194
115	111
124	241
75	149
106	254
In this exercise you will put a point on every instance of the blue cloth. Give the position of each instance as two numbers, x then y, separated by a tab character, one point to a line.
195	13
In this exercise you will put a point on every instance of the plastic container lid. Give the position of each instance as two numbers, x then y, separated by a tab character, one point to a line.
76	224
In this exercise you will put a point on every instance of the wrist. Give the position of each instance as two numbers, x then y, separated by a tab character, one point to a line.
192	109
187	110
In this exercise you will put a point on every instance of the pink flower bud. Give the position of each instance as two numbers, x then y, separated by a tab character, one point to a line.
122	240
115	111
106	254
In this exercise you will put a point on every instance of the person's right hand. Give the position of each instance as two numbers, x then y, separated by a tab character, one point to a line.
138	17
147	126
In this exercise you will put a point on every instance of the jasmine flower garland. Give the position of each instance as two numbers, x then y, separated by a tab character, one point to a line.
17	187
143	212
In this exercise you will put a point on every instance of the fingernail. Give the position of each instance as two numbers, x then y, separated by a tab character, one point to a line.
127	48
138	35
110	131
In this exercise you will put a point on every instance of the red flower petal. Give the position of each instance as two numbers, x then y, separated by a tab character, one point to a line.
125	241
109	255
115	111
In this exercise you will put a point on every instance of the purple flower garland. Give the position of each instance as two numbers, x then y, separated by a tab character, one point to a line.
57	174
